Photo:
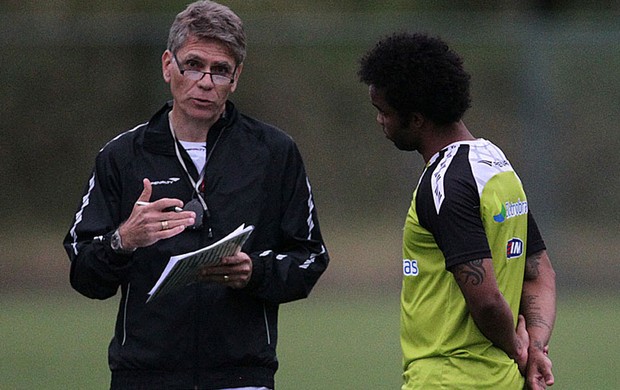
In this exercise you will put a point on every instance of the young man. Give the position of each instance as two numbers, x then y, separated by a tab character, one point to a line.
223	169
473	258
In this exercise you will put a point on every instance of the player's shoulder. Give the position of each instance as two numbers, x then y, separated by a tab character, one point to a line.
449	179
453	165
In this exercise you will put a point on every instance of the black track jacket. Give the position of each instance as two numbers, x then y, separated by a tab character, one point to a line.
204	335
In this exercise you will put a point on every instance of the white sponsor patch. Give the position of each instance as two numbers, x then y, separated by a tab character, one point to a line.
410	267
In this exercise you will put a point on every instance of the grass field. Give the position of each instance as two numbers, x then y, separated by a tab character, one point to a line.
59	341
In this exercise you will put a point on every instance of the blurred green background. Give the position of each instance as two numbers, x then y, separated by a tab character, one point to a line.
546	88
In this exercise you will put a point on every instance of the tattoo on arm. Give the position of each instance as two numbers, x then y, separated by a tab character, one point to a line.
538	345
533	313
532	267
471	272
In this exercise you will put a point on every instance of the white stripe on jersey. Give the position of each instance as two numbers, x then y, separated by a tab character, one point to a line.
437	177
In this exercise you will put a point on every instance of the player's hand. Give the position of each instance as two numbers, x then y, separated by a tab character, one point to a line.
151	222
539	374
523	341
234	271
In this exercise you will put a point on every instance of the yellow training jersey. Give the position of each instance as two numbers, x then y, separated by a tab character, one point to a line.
469	204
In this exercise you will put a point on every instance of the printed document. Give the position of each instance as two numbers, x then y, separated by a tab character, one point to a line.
181	270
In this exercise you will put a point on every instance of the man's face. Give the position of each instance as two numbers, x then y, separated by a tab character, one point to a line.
404	137
199	100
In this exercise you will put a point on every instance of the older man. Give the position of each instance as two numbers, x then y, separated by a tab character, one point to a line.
219	169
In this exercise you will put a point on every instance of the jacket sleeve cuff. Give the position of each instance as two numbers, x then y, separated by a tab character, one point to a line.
115	260
258	273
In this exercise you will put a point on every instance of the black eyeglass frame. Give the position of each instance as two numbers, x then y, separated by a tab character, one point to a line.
183	72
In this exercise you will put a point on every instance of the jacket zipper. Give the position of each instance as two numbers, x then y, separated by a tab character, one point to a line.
197	288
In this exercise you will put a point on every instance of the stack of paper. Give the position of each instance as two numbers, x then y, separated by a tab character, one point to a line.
182	270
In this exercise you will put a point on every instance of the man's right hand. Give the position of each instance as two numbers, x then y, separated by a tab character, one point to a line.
151	222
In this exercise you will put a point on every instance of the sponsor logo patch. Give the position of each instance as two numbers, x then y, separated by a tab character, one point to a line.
410	267
514	248
511	209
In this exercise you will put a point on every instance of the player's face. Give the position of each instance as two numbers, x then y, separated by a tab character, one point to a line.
200	100
404	136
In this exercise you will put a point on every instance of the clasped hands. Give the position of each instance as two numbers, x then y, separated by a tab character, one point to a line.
533	360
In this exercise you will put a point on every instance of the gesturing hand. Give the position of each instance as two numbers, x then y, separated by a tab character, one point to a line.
151	222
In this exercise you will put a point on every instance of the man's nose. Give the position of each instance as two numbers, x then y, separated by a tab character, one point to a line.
206	81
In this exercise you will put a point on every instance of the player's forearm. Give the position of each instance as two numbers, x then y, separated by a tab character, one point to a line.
488	308
538	300
496	323
538	307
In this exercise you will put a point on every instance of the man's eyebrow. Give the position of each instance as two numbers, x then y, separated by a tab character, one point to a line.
222	63
192	57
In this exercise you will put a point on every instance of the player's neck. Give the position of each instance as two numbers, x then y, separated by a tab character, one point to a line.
441	136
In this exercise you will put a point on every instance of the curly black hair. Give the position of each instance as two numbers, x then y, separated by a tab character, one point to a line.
418	73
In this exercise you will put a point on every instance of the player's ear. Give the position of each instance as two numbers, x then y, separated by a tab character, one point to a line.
417	120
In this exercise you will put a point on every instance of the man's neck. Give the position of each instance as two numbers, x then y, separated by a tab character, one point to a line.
440	137
188	130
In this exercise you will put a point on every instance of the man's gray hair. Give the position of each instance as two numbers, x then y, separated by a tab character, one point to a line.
209	20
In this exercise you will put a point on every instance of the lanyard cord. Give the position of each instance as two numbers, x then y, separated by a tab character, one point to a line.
195	185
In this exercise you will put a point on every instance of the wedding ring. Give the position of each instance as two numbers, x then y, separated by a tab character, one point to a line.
226	278
164	225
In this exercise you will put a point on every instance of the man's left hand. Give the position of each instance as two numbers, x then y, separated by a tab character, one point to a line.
233	271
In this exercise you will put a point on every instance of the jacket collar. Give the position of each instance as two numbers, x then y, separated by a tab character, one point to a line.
158	140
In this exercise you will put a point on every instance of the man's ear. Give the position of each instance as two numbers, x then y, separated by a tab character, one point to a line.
417	120
166	64
236	76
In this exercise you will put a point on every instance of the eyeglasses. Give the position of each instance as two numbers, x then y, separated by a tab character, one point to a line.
197	75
